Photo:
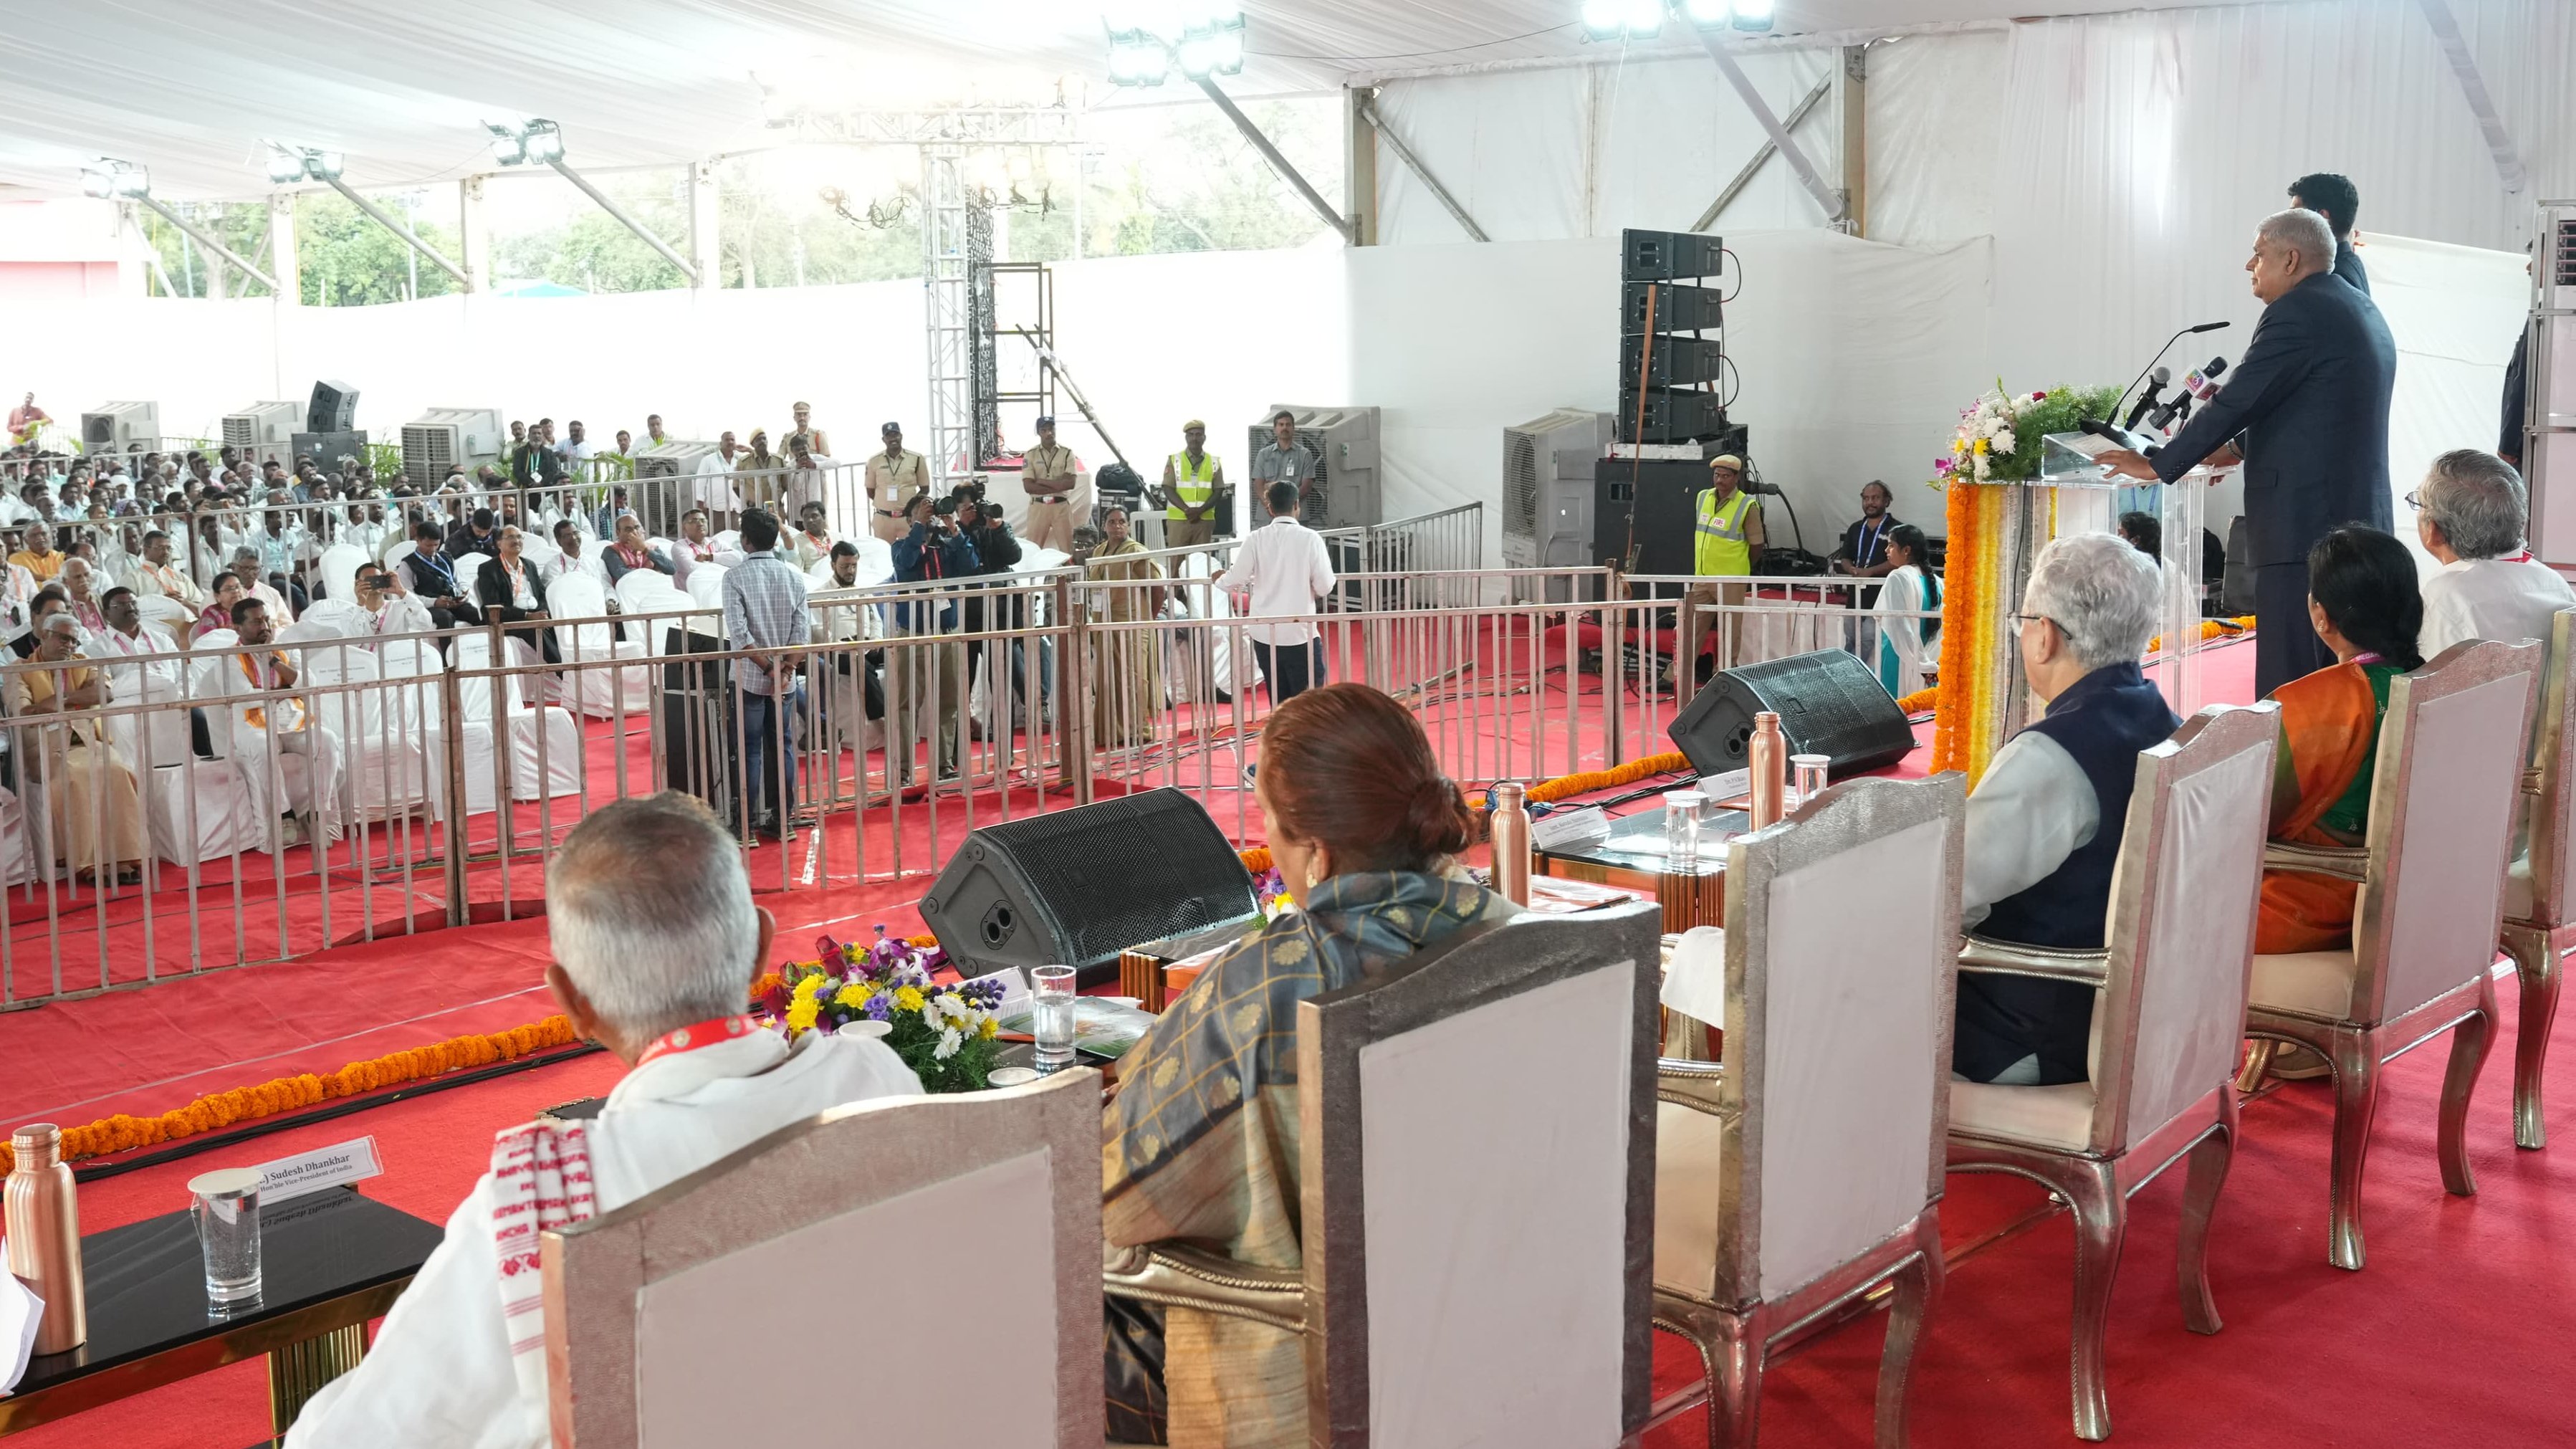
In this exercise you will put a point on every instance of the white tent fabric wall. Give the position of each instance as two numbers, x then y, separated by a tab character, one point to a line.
2455	312
1858	356
1585	150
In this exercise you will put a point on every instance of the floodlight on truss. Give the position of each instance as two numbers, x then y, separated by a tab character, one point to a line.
1629	19
288	164
536	141
1148	40
119	180
1719	14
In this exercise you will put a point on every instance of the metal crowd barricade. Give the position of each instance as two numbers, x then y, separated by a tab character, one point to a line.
917	713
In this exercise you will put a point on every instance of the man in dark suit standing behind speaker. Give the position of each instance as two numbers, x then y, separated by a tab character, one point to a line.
2310	405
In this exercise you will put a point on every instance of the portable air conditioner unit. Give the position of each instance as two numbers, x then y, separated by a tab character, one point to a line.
114	427
264	425
1345	491
1547	488
441	438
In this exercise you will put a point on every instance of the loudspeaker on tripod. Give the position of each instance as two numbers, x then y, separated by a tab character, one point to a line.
1076	887
1829	703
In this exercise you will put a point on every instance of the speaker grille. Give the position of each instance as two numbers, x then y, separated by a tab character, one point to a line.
1110	875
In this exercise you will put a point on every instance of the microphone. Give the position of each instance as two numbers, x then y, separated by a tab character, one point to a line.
2101	428
2160	356
2155	384
2209	383
2179	404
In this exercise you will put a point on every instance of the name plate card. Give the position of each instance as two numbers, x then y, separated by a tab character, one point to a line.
338	1165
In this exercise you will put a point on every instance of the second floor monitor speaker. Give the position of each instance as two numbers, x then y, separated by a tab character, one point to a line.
1829	703
334	408
1077	887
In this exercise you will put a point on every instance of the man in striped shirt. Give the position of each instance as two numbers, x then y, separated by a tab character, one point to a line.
764	611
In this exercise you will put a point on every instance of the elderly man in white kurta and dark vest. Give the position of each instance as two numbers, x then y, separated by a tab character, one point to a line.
1727	543
1190	480
656	941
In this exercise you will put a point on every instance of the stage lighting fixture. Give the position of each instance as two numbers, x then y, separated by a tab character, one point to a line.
545	142
509	146
1198	54
1604	19
535	142
1645	17
121	180
1752	14
1709	14
284	166
324	165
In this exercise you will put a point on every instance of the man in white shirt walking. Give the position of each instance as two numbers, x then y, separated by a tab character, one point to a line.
2470	514
656	941
1285	569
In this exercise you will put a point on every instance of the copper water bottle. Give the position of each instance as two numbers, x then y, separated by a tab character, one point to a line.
1768	762
43	1212
1511	841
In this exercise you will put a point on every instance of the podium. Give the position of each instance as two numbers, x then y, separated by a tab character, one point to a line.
2074	494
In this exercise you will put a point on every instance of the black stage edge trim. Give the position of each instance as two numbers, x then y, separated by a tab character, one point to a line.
190	1147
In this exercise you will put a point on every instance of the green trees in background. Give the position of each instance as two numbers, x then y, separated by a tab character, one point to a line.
1158	179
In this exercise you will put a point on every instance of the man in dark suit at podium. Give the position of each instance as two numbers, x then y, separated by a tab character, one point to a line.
2307	410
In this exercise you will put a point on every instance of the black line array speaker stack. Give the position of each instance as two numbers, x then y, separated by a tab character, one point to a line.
1681	347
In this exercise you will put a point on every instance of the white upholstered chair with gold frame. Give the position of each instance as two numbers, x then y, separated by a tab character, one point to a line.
1805	1169
964	1225
2431	908
2167	1025
1477	1183
2540	889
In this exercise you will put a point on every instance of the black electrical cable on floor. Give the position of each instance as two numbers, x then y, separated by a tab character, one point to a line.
190	1147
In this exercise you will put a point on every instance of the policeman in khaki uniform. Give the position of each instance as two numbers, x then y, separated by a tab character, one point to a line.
893	477
1059	493
1190	479
1727	529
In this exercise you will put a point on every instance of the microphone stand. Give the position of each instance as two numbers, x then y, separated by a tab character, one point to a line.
2150	367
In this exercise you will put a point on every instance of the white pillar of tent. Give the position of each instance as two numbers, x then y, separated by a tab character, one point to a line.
474	232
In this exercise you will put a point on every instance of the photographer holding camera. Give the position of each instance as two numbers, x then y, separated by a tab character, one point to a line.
929	679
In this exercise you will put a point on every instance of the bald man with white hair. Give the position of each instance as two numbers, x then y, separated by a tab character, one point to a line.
2307	409
656	943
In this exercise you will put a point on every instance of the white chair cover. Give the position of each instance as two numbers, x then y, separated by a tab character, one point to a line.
587	642
561	772
338	570
706	585
384	754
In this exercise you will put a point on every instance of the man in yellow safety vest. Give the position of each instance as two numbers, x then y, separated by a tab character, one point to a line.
1727	543
1190	480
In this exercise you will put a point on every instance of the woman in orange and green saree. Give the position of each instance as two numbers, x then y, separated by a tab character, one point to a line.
2363	602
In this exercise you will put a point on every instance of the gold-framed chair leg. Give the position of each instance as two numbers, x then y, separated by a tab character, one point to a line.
2210	1158
1736	1359
2101	1224
2258	1060
1917	1291
2537	971
2470	1040
2355	1059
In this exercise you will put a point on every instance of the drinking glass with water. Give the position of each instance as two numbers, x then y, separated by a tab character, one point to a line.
1051	1003
227	1211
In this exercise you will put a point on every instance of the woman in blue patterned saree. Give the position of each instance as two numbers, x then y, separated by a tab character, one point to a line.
1200	1144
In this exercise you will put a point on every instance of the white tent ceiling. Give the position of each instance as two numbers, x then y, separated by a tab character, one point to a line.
193	89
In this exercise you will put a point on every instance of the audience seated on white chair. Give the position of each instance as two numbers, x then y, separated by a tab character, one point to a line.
288	761
2169	1017
1806	1170
2045	823
2383	892
656	942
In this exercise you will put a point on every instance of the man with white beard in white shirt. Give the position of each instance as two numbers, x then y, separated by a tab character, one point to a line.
2471	515
656	942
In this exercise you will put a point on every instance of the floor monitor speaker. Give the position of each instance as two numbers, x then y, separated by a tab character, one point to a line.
1829	704
1076	887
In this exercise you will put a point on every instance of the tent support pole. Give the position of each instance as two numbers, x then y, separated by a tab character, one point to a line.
389	222
624	219
1828	198
1762	153
2455	47
1413	163
1278	163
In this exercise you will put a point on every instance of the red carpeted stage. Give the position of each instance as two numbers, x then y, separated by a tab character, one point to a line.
2459	1291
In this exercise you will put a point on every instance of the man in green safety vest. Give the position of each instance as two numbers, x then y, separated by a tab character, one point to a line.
1727	543
1190	481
